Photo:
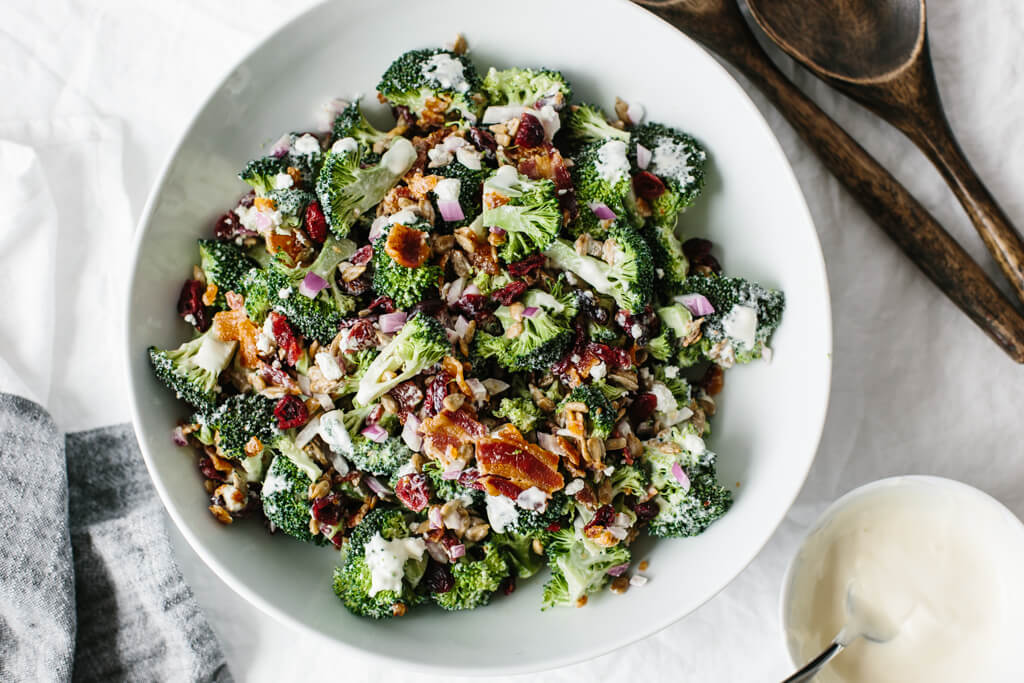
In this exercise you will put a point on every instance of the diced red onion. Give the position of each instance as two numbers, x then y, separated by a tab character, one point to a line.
311	285
697	304
437	552
281	146
619	569
643	156
471	288
375	485
530	311
478	389
307	433
450	210
392	322
495	230
377	227
456	551
461	327
635	113
325	401
178	436
375	433
261	221
455	288
410	435
680	475
602	211
451	475
548	442
435	518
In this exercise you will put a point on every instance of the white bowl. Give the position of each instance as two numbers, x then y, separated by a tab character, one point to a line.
988	508
771	415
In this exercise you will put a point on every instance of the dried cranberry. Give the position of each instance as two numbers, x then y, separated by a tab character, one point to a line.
484	141
640	327
362	256
407	395
648	185
604	516
614	358
290	412
642	408
247	199
554	526
713	380
531	131
414	491
382	304
208	470
437	390
507	585
591	309
228	227
475	306
698	253
645	512
316	223
190	303
427	307
285	337
510	292
360	335
375	415
527	265
327	510
438	577
360	285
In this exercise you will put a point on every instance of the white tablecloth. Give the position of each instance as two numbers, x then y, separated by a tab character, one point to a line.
95	94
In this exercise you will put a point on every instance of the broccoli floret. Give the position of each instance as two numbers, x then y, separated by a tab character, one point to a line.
678	160
488	284
224	265
527	87
601	175
192	369
422	79
419	344
661	347
475	580
629	279
518	552
630	480
292	205
380	531
535	522
530	216
579	567
543	340
612	392
351	123
285	496
746	314
600	416
380	459
262	173
586	123
406	286
347	189
670	264
470	190
520	411
686	449
688	507
449	489
240	418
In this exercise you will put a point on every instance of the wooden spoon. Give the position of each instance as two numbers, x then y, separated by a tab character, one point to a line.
719	25
876	51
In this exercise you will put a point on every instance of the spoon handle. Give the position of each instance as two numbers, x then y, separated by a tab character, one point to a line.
719	25
811	668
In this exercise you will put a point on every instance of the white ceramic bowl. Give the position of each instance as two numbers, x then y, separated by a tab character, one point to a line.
771	415
988	508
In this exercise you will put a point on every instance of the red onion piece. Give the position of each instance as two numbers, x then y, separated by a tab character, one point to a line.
478	388
602	211
450	210
495	230
455	290
451	334
392	322
375	433
281	146
434	517
530	311
697	304
437	552
643	157
618	570
311	285
178	436
680	475
617	532
457	551
377	227
451	475
262	222
410	435
471	288
374	484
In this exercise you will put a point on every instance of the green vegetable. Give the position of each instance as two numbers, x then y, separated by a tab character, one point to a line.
521	412
351	123
600	416
586	123
579	567
526	87
531	217
543	340
380	459
224	265
406	286
193	375
419	76
419	344
725	293
475	580
601	174
678	160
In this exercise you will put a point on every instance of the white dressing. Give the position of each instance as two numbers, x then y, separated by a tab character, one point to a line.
740	325
501	512
612	163
447	71
334	434
386	560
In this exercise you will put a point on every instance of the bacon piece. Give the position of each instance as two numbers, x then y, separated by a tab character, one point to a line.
448	431
407	246
507	455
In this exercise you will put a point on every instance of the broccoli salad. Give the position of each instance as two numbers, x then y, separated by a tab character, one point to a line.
468	345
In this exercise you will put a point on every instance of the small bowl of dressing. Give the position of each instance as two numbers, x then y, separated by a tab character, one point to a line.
939	563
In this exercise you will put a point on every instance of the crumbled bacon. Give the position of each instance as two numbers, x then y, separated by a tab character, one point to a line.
506	458
407	246
419	184
447	431
414	491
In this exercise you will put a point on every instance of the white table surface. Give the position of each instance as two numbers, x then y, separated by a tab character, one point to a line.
102	89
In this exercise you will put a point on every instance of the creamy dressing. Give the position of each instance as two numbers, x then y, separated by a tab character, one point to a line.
328	365
448	189
612	163
344	145
740	325
670	158
400	157
447	71
332	431
501	512
935	568
386	560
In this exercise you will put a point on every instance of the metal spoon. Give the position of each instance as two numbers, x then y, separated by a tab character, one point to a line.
876	51
875	630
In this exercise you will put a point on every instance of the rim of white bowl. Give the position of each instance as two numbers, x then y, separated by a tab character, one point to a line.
239	587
